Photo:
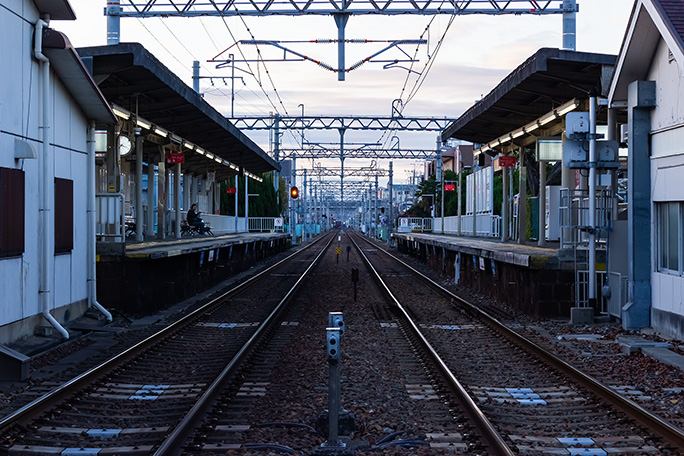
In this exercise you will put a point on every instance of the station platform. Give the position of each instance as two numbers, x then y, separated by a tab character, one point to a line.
538	281
154	275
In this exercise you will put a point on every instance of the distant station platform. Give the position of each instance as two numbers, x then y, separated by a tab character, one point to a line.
535	280
154	275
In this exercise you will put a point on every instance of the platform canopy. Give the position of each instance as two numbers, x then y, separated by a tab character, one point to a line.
544	82
132	78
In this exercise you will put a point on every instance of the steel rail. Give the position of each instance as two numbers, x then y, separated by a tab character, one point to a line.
173	444
660	427
68	388
490	436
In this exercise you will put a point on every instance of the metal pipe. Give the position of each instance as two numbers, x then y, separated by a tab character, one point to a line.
541	241
504	206
113	12
139	221
570	24
196	76
341	22
92	245
46	227
176	200
592	199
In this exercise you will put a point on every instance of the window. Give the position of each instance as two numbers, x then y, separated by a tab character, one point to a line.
64	215
11	212
669	216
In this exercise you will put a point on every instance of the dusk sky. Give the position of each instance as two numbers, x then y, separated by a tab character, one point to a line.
477	52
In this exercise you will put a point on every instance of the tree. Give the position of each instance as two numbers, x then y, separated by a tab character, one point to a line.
267	204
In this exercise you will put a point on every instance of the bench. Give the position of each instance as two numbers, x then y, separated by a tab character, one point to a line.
191	230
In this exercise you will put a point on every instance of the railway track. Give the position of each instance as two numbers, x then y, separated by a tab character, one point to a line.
423	374
539	404
131	403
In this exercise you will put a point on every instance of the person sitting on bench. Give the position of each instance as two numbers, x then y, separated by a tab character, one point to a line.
195	220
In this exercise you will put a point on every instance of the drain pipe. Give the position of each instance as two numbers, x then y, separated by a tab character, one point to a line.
92	257
46	227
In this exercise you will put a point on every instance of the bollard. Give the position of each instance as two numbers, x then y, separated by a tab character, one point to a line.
348	250
333	346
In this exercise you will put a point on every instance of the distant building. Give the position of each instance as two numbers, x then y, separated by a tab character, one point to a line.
453	157
649	84
48	112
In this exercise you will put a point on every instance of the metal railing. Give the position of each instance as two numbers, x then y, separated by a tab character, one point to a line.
618	293
574	213
414	225
486	225
109	222
265	225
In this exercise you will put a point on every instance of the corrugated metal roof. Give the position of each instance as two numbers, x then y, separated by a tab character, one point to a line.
129	76
59	10
543	82
70	70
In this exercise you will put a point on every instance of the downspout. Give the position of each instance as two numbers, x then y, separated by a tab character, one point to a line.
47	229
92	257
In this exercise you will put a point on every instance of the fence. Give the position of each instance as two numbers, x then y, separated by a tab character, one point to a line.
265	225
607	305
410	225
488	225
109	223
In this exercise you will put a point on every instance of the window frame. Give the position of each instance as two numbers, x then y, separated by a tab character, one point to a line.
64	216
662	239
12	212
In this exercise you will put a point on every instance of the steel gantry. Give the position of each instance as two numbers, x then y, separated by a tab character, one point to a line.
340	10
395	122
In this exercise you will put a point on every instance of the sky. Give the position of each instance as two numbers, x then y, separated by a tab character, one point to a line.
476	53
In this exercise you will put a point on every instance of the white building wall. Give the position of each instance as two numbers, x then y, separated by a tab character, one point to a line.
20	117
667	167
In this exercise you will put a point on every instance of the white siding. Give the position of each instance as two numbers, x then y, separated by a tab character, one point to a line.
669	91
667	166
668	293
20	116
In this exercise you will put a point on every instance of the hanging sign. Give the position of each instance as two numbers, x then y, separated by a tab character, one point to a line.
231	190
175	157
507	161
449	187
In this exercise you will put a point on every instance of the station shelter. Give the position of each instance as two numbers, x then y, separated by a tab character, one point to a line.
50	108
169	149
521	126
649	88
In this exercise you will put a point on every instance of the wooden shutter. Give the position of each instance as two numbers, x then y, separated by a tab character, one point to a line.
11	212
64	215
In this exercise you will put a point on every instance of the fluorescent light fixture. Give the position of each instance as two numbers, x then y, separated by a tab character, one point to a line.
517	133
120	112
566	109
218	159
160	132
200	151
142	124
234	166
209	155
530	127
548	118
188	145
176	139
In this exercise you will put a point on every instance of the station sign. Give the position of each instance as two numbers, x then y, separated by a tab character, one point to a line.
449	187
507	161
231	190
175	157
